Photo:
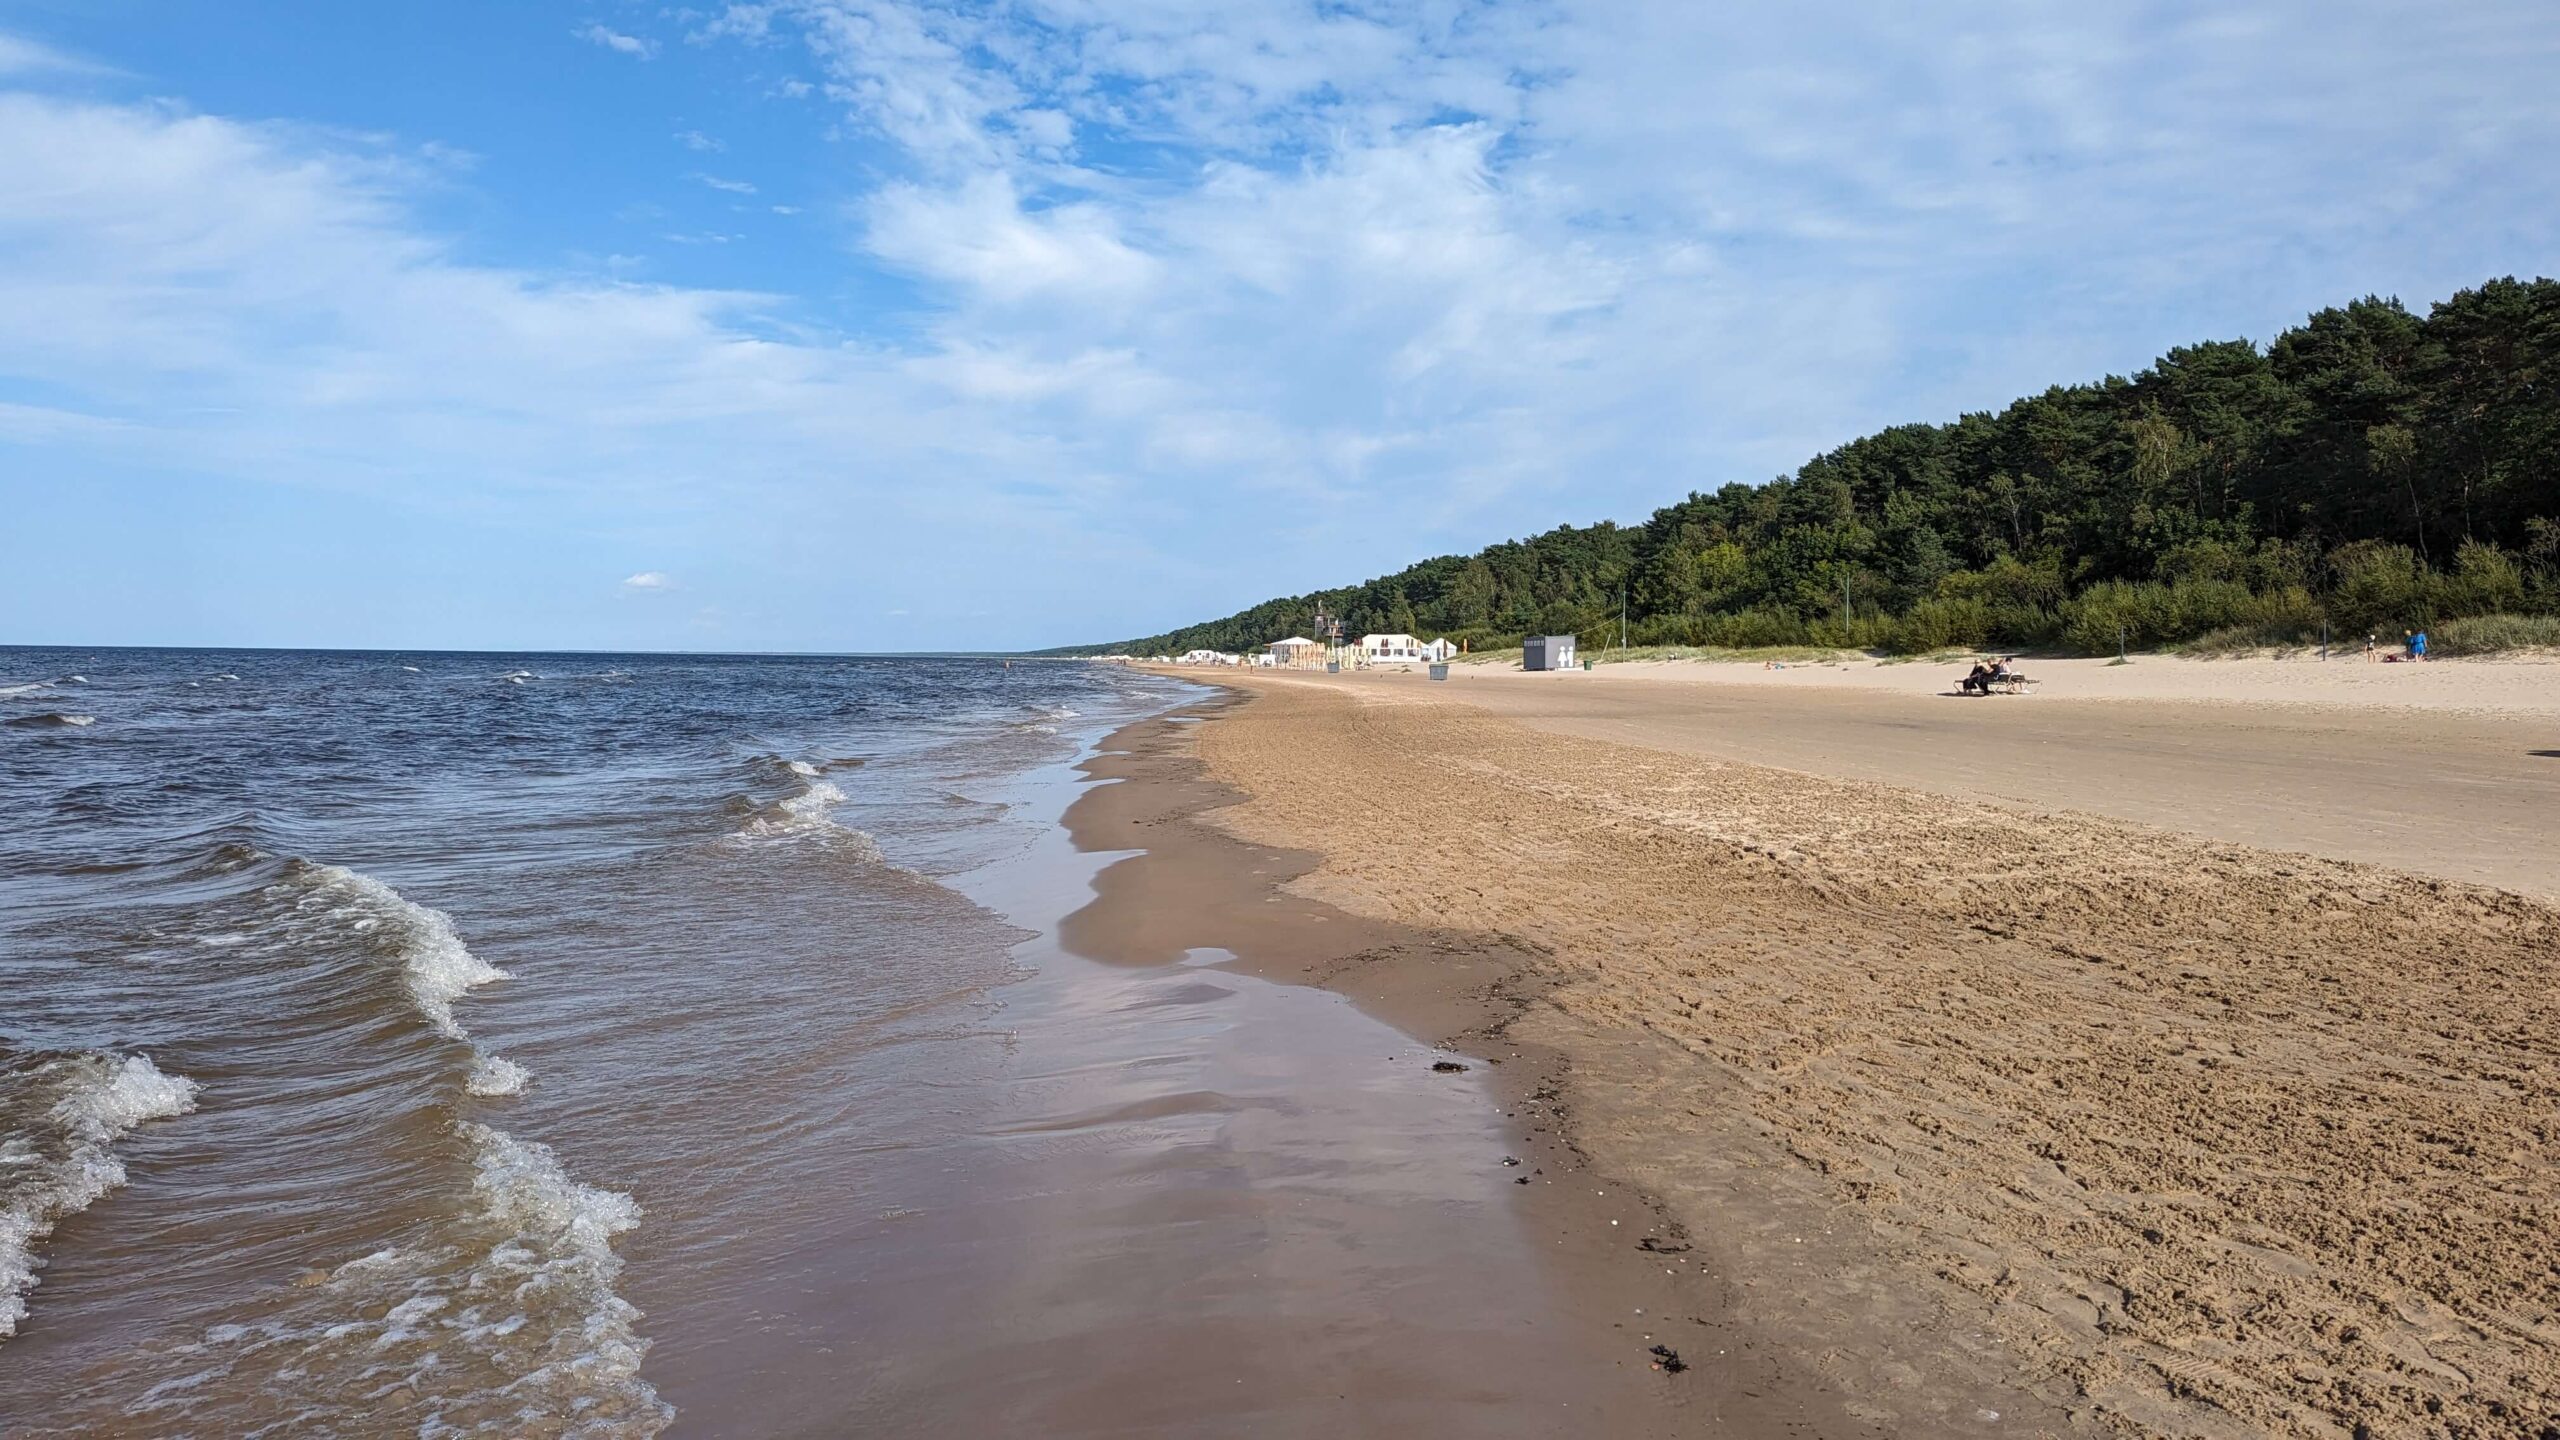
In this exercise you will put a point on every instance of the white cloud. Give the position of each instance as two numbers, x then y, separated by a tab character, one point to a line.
616	41
20	56
698	142
1428	254
1163	271
649	580
238	304
733	187
978	235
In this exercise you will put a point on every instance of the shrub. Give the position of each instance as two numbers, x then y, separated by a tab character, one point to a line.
2379	587
1940	625
2243	639
2493	634
2139	616
2485	581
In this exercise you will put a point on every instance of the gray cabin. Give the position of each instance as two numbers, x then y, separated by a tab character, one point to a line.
1547	652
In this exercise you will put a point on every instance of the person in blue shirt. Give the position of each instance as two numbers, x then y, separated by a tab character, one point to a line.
2418	646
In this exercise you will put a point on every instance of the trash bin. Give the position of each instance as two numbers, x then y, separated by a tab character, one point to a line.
1439	672
1333	667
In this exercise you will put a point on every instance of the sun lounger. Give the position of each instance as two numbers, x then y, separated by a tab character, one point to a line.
2012	685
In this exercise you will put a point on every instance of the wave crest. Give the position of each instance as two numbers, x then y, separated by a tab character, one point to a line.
436	968
521	1283
59	1121
808	813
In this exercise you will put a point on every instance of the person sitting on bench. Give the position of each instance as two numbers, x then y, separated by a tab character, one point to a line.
1978	682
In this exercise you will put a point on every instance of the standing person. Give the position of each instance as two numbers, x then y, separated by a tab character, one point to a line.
2418	646
2409	644
2370	654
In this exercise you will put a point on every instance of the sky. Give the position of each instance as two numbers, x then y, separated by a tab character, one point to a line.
868	325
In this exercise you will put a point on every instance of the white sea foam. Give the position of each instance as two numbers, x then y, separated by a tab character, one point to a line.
75	679
56	720
436	968
65	1116
497	1075
808	815
29	688
812	805
502	1322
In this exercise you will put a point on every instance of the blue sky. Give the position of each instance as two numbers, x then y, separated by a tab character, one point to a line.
872	324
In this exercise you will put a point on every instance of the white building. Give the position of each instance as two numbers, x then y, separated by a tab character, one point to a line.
1389	649
1206	657
1297	653
1439	650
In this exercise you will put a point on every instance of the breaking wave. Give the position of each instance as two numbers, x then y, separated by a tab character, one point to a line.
808	812
54	720
494	1075
59	1121
436	968
519	1288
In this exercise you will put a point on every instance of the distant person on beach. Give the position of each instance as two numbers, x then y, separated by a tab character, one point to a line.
2418	646
1978	682
2370	654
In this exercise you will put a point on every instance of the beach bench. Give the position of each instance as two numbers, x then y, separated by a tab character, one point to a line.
2012	685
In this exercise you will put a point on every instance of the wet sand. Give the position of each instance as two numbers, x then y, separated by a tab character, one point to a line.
1973	1110
1187	1201
1615	1276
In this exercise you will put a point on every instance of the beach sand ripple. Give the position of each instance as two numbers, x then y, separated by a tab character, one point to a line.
2194	1138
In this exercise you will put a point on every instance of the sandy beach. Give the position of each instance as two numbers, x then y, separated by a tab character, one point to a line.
1959	1112
2448	769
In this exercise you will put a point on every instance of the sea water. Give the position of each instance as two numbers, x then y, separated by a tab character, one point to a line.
403	1043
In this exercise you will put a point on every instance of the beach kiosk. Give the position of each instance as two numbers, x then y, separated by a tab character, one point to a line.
1296	653
1547	652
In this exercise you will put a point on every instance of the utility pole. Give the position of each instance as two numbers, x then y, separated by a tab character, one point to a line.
1622	614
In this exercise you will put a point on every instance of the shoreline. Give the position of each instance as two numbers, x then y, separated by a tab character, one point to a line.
1632	1273
1948	1111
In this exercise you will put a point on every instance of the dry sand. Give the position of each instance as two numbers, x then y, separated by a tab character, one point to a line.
2342	765
2177	1137
2525	685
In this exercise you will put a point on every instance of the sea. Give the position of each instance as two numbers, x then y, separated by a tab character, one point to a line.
612	1045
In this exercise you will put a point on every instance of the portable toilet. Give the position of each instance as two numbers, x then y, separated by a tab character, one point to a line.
1547	652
